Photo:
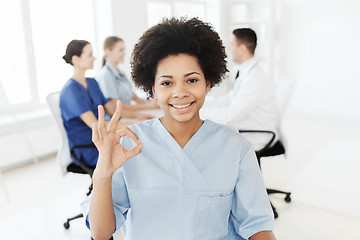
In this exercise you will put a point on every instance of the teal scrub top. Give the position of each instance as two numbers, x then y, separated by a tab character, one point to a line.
74	101
210	189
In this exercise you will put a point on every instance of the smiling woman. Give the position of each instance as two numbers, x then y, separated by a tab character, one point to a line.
187	178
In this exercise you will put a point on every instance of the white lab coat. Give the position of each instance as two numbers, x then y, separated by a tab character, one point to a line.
250	105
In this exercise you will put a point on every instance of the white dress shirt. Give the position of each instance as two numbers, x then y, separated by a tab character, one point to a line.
249	105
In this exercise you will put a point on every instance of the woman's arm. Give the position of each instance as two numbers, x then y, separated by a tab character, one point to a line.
88	118
138	100
110	107
264	235
111	157
137	107
101	214
141	104
127	113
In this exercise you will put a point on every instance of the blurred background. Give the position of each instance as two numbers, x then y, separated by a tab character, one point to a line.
312	44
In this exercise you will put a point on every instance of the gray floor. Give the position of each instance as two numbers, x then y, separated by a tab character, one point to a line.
322	178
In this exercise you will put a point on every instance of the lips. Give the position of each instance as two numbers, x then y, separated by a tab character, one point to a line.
181	106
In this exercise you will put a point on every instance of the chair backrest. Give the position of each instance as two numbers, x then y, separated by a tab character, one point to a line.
283	92
63	155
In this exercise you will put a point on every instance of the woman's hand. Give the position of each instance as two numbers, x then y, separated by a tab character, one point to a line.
107	140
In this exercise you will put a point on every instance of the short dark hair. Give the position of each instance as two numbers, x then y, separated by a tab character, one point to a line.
246	36
75	47
178	36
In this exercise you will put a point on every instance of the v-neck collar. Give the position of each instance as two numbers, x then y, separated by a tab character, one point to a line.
192	177
79	84
168	137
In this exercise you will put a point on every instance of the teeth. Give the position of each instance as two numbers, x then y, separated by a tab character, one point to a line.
181	106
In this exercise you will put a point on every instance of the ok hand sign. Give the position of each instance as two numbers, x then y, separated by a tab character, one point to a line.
107	140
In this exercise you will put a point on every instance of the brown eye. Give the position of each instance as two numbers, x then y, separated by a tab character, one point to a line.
192	80
165	83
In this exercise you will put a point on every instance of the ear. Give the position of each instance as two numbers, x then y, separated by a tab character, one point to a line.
207	86
74	59
107	52
244	48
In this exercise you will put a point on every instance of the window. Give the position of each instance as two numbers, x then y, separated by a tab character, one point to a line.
14	77
33	44
158	10
189	9
52	30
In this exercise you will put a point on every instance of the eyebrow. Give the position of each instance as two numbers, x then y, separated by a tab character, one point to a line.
186	75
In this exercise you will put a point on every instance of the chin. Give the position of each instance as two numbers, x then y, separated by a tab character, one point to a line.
183	119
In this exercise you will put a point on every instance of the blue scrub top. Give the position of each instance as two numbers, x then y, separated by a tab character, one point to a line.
210	189
74	101
114	83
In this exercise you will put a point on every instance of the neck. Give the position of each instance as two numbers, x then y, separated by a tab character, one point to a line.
114	63
182	132
79	75
245	58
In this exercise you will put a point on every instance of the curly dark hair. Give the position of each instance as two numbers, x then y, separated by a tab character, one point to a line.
178	36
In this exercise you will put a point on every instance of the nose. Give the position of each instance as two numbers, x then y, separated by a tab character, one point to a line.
180	91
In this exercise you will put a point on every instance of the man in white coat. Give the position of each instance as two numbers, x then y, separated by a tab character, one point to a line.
251	103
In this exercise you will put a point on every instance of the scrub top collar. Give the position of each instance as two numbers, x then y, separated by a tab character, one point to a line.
114	71
80	85
164	133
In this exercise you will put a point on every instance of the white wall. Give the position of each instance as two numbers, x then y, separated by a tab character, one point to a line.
319	48
130	21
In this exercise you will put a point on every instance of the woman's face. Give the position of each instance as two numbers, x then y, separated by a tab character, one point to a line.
117	53
86	59
180	87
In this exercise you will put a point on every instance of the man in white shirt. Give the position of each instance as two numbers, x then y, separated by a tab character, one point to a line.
251	103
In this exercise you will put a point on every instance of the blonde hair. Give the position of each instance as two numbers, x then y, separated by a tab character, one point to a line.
109	43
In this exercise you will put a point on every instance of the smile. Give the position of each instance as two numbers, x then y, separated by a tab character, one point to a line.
181	106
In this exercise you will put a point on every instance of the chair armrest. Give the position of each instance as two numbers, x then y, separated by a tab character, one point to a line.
267	145
85	167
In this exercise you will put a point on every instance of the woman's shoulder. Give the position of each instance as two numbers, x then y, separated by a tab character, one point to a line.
104	74
92	82
226	133
69	86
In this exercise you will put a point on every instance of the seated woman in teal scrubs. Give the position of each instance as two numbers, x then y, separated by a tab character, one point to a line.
177	177
79	99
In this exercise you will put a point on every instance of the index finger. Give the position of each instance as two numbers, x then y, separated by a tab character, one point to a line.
127	132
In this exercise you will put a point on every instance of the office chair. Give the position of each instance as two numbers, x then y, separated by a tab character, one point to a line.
269	150
64	154
283	92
